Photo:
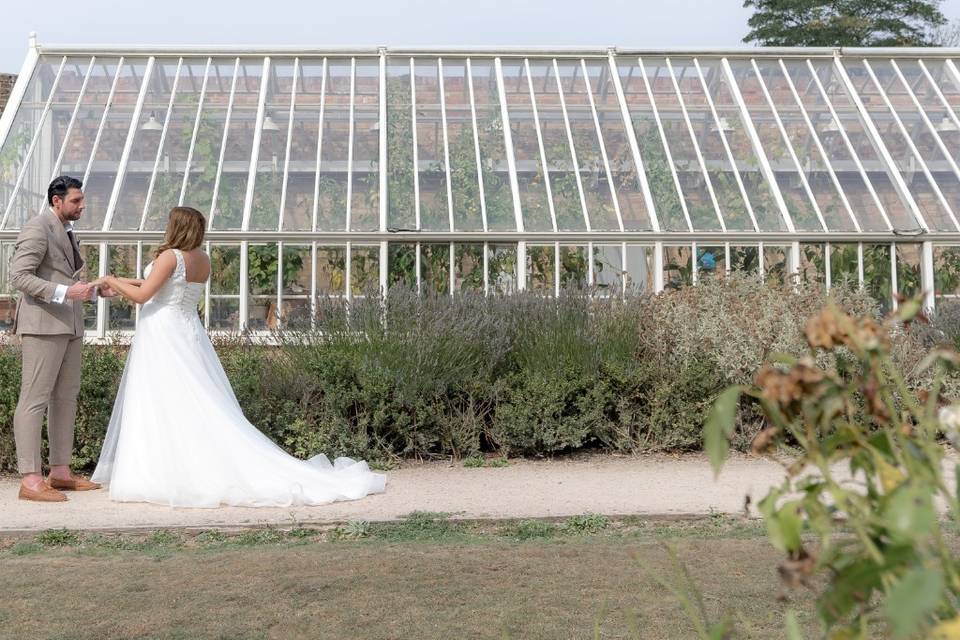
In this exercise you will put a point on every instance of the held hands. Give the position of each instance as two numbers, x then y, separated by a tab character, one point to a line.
103	287
79	291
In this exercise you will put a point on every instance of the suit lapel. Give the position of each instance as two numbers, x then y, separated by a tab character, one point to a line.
63	240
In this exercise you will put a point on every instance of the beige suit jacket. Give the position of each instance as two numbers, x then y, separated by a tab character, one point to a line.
42	259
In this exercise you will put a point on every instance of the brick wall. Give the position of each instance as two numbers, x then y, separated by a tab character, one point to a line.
6	86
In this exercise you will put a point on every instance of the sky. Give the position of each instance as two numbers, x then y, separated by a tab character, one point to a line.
601	23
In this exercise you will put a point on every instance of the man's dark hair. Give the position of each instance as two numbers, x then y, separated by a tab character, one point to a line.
60	186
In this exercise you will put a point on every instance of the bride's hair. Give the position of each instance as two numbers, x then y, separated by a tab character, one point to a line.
185	230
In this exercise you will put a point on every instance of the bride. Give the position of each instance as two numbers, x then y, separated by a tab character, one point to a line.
177	435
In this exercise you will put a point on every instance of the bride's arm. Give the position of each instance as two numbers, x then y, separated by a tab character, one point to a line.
134	281
163	267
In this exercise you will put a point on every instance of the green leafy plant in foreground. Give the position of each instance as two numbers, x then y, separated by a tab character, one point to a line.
870	461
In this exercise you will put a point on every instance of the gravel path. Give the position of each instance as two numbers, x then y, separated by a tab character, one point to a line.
611	485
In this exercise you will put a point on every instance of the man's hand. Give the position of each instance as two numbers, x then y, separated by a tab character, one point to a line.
106	291
78	291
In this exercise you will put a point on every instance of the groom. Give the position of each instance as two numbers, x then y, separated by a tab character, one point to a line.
46	267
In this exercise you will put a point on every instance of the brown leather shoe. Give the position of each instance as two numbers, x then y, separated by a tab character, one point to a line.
43	493
76	483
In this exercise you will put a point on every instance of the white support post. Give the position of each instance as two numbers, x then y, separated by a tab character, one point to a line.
384	266
894	287
827	270
521	265
102	303
279	298
860	280
794	260
927	277
244	284
313	285
206	296
657	266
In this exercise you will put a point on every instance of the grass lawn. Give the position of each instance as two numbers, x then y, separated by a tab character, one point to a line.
425	577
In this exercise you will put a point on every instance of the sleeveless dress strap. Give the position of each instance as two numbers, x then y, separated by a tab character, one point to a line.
181	265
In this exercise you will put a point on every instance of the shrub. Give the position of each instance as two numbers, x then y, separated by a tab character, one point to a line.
422	376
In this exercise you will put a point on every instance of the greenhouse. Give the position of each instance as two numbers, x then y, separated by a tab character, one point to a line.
345	172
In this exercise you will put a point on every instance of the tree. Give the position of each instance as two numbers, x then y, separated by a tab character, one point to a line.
845	23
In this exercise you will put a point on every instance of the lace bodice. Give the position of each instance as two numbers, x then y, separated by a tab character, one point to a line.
177	292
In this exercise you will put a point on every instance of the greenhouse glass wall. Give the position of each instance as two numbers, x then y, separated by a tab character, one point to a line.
337	173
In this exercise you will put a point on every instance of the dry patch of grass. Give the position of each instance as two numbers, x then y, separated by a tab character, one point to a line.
426	578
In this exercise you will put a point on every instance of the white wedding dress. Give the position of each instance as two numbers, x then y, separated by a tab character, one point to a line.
178	437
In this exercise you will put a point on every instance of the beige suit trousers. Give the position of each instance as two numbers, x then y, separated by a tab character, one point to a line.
50	384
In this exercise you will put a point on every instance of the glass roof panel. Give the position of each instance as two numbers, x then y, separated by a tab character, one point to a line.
623	167
109	148
863	200
810	153
431	166
304	138
498	198
564	178
401	195
526	148
462	147
874	91
207	139
707	130
35	174
335	141
690	171
143	151
168	181
765	209
597	190
365	199
656	164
